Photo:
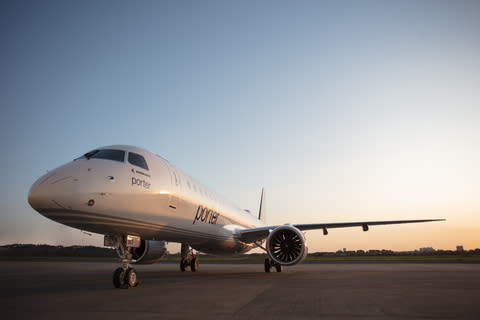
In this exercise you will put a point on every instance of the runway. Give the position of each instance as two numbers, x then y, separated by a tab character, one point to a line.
84	290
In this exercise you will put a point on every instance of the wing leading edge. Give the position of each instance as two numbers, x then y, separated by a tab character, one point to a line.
256	234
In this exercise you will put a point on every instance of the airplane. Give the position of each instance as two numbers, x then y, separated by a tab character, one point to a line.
138	201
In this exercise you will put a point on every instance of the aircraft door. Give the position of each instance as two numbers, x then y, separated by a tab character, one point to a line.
175	179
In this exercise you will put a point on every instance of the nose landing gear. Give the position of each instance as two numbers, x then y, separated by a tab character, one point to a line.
125	277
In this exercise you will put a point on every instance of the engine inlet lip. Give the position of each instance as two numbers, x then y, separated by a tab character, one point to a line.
91	202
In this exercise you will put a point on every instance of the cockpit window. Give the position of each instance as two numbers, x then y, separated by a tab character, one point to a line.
137	160
107	154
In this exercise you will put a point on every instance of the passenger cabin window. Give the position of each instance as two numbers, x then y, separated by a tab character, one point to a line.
137	160
106	154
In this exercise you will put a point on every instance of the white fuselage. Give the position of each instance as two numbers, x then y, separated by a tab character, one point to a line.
159	203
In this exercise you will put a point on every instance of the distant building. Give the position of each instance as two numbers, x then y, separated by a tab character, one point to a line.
459	248
427	250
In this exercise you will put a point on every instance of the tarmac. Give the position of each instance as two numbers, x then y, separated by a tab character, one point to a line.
84	290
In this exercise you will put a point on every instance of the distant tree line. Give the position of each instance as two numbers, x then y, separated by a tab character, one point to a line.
391	253
43	250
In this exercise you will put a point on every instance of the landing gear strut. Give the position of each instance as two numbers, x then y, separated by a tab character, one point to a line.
269	264
188	259
125	277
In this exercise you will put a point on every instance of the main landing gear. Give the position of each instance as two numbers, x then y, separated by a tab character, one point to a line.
269	264
188	259
125	277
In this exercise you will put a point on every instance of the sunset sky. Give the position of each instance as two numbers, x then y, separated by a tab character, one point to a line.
342	110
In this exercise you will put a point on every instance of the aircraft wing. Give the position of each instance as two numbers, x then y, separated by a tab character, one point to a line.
256	234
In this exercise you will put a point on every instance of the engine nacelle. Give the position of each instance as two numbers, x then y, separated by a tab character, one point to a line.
150	251
286	245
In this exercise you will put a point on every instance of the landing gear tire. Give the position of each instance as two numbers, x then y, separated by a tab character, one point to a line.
118	278
184	265
279	267
194	264
125	279
268	265
131	278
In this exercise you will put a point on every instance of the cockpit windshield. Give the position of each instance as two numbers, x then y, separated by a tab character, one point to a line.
107	154
137	160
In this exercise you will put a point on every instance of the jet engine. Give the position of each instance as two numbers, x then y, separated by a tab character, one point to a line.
286	245
150	251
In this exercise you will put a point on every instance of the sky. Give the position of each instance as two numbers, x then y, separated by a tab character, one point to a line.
342	110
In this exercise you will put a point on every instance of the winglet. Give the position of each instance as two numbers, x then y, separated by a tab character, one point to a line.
261	210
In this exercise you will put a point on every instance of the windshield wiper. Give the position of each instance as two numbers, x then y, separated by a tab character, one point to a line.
90	154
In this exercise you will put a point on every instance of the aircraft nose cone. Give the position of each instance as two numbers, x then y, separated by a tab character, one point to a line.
34	196
51	191
41	193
